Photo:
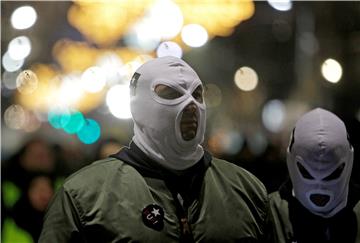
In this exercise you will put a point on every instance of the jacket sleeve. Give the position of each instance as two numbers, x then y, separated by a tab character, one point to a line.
62	221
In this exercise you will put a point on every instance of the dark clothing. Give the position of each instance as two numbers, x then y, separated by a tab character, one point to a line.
21	211
113	200
28	218
292	222
186	182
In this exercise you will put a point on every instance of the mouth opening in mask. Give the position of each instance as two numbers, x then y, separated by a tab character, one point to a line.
189	122
319	200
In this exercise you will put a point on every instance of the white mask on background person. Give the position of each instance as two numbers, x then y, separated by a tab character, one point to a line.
157	120
320	160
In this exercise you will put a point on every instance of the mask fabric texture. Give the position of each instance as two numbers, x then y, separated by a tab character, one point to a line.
318	149
157	120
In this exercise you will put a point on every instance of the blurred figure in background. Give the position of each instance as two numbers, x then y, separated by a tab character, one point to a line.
106	147
28	183
318	203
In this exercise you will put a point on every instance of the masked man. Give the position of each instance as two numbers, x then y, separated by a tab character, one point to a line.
164	187
317	205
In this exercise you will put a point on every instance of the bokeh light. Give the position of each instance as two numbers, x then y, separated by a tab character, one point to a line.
143	38
118	101
233	142
113	18
10	64
23	17
331	70
213	95
15	117
111	64
75	124
58	117
246	79
9	79
129	68
226	141
281	5
90	132
166	19
257	143
308	43
273	115
32	123
194	35
169	48
93	79
163	21
27	82
71	90
19	48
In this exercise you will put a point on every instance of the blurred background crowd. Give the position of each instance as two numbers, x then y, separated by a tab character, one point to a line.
66	67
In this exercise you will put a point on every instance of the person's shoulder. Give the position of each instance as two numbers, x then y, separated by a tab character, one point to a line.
238	175
96	173
234	170
242	187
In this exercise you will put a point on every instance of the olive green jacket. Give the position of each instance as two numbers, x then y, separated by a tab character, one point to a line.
105	201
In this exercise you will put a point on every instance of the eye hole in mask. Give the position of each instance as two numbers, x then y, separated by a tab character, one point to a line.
198	94
167	92
304	172
336	174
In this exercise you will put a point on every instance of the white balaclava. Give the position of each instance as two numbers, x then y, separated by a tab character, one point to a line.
320	159
157	120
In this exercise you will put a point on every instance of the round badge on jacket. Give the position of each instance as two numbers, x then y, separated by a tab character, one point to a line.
153	217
